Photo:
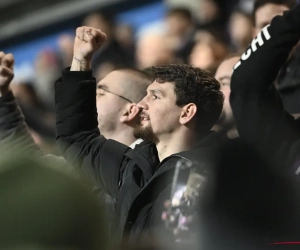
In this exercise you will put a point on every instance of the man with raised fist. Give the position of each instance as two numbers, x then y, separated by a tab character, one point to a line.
176	115
11	128
118	92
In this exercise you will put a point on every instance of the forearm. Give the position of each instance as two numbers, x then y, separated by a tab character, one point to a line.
257	107
14	133
80	64
260	64
75	100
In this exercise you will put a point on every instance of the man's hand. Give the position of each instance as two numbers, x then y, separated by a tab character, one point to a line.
87	41
6	72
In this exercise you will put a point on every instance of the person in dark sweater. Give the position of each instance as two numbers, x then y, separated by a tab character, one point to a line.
259	115
288	81
116	92
177	113
226	123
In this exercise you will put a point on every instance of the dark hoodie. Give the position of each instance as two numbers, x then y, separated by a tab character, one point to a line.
258	112
137	178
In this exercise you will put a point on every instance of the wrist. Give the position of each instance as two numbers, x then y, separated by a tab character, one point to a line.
80	64
4	91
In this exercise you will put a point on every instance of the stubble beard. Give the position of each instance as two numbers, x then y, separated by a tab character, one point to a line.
145	133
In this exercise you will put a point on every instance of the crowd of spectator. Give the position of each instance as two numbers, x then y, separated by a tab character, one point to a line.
88	153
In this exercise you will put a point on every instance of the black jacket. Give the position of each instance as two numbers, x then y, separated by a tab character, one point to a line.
135	177
257	108
15	136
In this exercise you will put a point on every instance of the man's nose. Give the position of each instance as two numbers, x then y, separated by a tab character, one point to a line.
142	105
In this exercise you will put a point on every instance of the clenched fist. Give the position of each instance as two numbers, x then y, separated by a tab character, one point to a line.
87	41
6	72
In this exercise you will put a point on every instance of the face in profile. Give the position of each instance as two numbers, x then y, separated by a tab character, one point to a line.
109	104
223	75
159	114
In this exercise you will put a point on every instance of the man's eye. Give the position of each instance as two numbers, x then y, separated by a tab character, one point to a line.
155	97
224	84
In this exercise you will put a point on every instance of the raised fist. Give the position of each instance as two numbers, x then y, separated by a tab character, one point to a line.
87	41
6	71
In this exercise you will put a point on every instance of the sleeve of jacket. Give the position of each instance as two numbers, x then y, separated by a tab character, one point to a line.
78	136
257	108
14	134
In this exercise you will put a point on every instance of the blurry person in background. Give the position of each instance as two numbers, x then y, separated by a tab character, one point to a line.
124	34
208	52
65	45
41	205
240	31
288	81
265	10
38	119
211	17
153	50
209	10
181	29
226	122
112	52
47	68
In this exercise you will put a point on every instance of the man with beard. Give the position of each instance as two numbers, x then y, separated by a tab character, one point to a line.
226	122
176	115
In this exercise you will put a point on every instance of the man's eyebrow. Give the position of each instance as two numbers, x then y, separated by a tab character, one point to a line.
224	78
102	86
156	91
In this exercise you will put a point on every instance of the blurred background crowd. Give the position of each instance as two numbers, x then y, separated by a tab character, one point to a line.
140	34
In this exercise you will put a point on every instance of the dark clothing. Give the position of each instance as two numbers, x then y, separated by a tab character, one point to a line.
289	84
136	178
258	112
14	135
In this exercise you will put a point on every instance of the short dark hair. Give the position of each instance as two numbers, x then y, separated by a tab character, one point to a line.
260	3
194	85
136	86
182	12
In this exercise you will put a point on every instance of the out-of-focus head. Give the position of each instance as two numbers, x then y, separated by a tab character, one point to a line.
265	10
117	95
207	52
241	30
65	44
25	93
178	21
153	50
209	10
181	98
125	35
223	75
101	21
43	206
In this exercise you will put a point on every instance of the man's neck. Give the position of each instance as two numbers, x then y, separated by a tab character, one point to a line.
124	136
174	144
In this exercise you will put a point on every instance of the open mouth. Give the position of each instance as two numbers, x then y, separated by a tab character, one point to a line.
144	118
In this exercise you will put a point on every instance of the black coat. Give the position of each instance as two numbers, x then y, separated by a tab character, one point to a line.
258	111
136	178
